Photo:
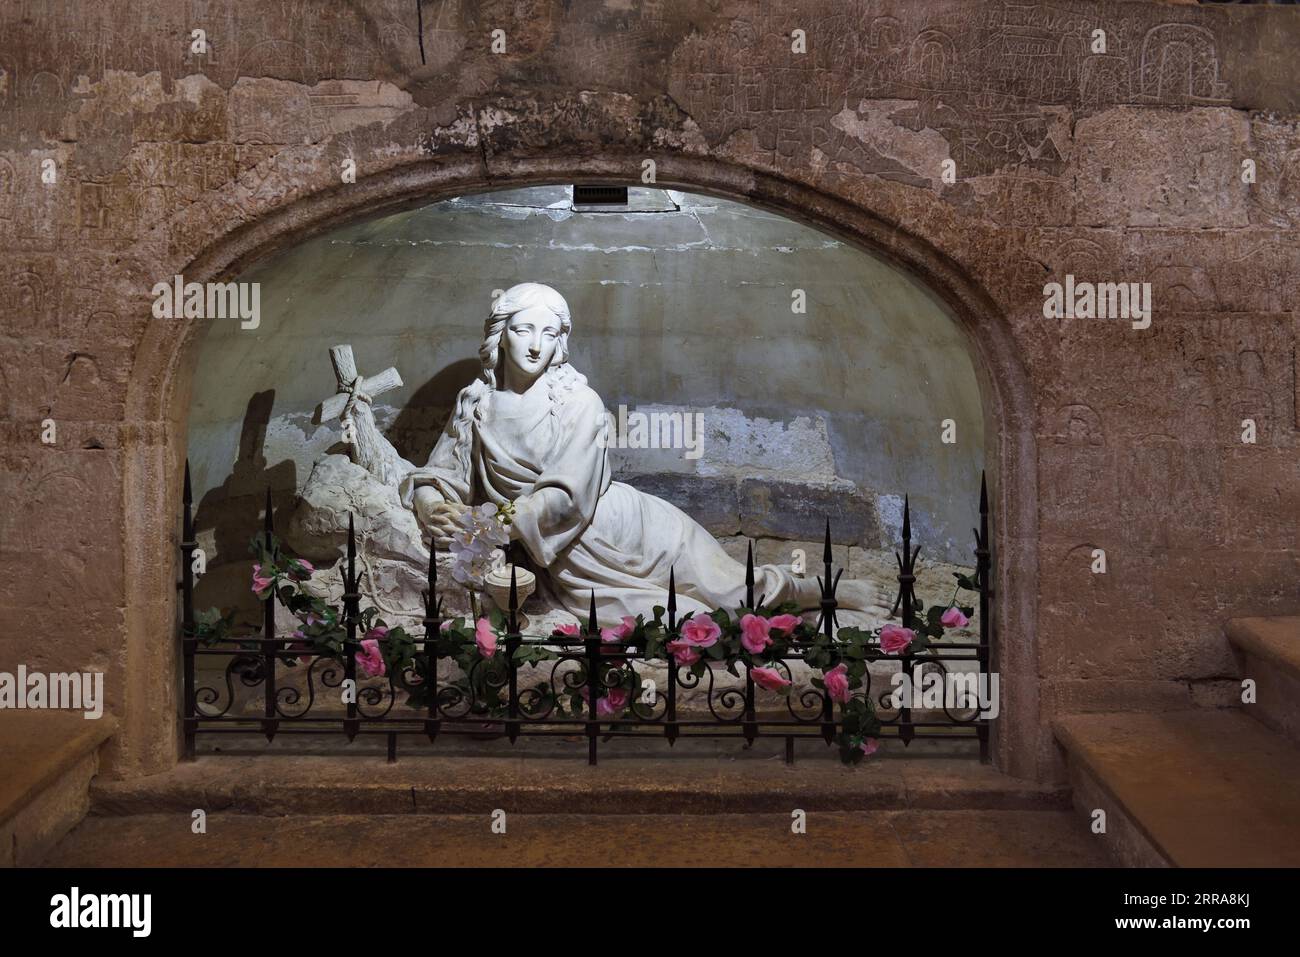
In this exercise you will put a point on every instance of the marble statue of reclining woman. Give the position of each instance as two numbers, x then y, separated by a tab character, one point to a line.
530	431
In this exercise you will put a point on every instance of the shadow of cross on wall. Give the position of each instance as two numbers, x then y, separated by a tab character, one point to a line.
419	424
232	511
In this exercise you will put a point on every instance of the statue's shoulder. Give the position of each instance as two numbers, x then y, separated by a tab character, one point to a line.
582	399
569	390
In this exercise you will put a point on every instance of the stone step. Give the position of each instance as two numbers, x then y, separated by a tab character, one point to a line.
1268	650
1187	788
832	839
550	775
47	759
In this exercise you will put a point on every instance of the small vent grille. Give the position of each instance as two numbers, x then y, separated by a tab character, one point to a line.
599	195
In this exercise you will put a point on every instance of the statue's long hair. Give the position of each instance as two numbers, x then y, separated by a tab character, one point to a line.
560	378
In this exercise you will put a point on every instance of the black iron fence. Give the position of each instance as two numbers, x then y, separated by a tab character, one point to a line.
581	684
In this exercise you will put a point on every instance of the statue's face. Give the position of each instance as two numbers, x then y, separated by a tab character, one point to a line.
531	338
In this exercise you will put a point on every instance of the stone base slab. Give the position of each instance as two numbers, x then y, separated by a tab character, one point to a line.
550	775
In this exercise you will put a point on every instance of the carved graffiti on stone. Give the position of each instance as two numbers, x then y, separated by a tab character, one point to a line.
1078	424
1178	63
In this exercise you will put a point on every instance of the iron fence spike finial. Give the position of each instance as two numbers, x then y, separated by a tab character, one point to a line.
984	492
672	589
514	592
352	554
749	576
270	520
826	551
907	517
592	626
187	514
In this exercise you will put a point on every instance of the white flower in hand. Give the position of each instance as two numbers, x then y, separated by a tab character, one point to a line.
473	547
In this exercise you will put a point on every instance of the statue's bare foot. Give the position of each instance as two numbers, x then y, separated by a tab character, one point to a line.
864	595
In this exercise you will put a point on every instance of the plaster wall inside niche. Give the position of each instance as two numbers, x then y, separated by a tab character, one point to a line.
680	303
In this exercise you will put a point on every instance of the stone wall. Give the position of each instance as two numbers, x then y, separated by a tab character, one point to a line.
1122	165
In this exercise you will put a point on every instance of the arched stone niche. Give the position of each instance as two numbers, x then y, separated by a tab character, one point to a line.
164	375
821	375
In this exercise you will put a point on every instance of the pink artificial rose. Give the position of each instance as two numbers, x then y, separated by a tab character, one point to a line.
753	633
768	678
684	652
894	639
485	638
869	745
953	618
623	632
701	631
377	632
260	582
785	623
615	701
445	625
837	683
571	630
370	660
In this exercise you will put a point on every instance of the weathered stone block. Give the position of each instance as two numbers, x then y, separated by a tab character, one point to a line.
1151	167
792	511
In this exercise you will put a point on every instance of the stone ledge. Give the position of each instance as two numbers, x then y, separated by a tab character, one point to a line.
1202	788
1273	640
1124	843
1268	650
905	838
49	759
39	747
554	778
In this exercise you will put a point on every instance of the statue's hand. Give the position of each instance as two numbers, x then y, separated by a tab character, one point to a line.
424	501
441	521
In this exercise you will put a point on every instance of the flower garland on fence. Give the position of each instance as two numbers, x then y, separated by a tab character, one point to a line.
758	638
321	630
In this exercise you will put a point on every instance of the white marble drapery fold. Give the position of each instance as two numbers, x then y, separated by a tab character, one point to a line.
583	531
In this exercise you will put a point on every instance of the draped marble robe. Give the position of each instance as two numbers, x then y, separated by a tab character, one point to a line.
585	532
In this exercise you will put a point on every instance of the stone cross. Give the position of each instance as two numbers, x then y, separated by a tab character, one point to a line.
345	373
